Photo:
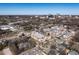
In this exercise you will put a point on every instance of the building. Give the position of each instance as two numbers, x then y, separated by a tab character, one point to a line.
33	51
6	27
37	36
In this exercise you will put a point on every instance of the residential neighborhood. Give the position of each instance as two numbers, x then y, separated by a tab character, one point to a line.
39	34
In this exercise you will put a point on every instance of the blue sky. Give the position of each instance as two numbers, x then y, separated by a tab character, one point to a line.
38	8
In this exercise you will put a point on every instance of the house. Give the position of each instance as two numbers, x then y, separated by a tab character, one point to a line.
33	51
37	36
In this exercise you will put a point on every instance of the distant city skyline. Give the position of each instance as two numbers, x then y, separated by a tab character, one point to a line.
39	8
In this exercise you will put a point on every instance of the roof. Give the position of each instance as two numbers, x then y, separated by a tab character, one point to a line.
38	35
33	51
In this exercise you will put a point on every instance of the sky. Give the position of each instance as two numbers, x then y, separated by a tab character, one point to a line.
39	8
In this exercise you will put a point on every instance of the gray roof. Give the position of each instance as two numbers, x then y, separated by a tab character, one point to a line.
33	51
